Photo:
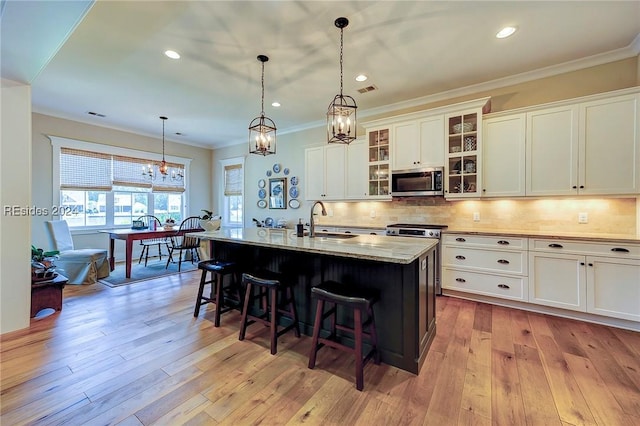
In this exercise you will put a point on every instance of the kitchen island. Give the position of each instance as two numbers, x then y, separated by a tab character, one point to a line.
401	269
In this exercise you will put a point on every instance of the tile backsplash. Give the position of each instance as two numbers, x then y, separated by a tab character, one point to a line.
604	215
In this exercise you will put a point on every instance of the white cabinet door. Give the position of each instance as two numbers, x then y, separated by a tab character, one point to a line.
357	170
610	151
335	171
503	154
613	287
314	173
432	141
325	172
557	279
405	146
552	151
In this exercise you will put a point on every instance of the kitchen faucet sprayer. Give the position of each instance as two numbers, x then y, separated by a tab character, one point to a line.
312	231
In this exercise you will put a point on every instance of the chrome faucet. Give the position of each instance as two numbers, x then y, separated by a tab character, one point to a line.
312	232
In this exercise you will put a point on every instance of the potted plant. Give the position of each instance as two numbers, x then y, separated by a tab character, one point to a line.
42	263
209	222
169	223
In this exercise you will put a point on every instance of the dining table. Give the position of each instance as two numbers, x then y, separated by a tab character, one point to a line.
129	235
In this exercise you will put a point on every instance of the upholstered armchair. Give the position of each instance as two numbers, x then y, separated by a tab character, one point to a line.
80	266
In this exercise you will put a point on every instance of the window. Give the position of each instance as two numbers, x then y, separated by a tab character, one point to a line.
103	186
233	178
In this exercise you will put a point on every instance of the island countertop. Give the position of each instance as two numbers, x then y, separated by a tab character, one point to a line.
367	247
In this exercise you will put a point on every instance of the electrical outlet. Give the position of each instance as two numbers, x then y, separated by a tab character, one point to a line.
583	217
372	213
476	216
330	212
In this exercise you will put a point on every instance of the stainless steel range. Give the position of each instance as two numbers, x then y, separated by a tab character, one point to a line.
421	231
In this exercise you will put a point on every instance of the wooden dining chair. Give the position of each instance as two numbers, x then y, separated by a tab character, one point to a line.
151	222
182	243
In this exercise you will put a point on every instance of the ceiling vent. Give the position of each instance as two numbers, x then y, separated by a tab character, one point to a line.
97	114
367	89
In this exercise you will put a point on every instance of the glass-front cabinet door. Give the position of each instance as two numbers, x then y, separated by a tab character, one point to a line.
379	163
463	154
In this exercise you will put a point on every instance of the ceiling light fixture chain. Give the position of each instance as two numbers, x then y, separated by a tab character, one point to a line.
341	115
262	130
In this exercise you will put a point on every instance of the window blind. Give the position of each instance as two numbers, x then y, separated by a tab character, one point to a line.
127	171
84	170
233	179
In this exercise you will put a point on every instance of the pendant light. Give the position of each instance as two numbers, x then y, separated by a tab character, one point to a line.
163	169
262	130
341	115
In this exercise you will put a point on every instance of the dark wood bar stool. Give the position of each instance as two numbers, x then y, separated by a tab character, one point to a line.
226	297
267	295
361	301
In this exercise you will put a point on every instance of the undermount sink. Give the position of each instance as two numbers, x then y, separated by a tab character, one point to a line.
335	235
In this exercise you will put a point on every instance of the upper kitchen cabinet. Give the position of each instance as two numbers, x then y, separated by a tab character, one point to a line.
503	156
418	143
357	170
464	157
378	167
587	148
325	172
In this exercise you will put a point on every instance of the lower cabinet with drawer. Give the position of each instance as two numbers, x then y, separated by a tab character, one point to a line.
597	278
487	265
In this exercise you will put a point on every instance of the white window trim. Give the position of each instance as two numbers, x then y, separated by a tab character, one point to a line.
58	143
221	200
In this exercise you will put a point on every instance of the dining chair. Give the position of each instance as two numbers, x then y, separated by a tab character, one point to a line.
151	222
182	243
80	266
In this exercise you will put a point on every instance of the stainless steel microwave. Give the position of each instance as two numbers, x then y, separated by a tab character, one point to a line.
417	182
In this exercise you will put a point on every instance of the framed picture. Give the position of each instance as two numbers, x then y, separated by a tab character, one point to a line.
278	193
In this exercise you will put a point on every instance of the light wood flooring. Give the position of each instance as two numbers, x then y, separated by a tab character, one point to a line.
134	355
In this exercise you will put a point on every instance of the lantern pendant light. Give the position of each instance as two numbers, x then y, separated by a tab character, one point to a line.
262	130
341	115
164	168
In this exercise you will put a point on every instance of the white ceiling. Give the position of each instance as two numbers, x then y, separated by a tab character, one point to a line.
112	62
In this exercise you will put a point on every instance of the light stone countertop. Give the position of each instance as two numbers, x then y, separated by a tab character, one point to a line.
368	247
599	238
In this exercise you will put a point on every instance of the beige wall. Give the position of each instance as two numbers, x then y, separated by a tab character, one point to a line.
526	214
199	180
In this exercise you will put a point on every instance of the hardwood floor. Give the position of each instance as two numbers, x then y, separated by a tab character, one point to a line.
135	355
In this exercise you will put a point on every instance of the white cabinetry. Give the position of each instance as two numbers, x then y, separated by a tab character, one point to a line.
325	172
589	148
464	154
357	170
503	156
488	265
597	278
378	166
418	143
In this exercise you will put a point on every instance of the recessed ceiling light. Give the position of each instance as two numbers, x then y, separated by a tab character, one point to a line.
506	32
361	77
275	104
172	54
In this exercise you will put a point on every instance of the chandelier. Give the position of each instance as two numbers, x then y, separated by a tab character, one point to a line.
176	175
341	115
262	130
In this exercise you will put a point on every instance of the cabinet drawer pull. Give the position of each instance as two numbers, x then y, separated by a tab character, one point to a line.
503	261
461	280
555	245
503	242
459	257
460	240
503	286
620	250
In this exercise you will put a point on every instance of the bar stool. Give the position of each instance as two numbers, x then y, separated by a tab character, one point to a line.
360	301
219	269
267	296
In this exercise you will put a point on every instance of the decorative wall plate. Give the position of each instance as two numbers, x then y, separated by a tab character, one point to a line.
262	193
293	192
285	171
268	172
294	180
294	203
262	204
276	168
262	183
